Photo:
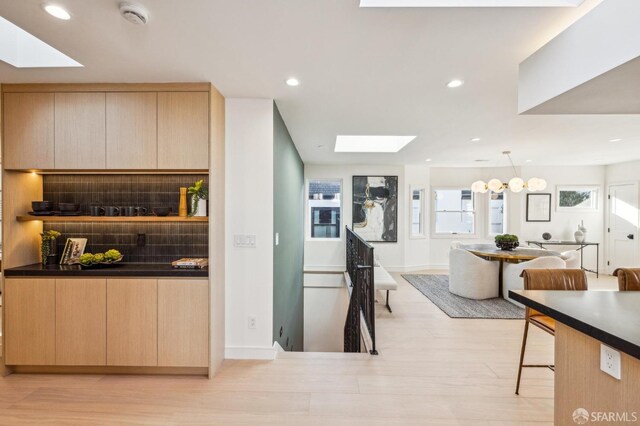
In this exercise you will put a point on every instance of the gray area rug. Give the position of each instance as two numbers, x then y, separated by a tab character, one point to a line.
436	288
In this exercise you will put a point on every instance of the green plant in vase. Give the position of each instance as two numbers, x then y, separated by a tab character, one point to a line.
47	246
507	242
198	193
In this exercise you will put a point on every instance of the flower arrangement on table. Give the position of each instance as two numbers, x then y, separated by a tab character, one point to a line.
198	193
107	258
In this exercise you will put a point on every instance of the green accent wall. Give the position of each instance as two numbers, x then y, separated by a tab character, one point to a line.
288	223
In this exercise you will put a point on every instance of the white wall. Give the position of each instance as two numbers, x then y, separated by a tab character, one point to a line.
249	210
562	225
408	253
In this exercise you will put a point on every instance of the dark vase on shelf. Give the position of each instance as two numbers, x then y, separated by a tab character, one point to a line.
49	252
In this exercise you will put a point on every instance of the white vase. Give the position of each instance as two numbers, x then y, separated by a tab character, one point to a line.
579	236
201	208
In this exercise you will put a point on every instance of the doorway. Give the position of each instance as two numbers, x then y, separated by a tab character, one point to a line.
623	226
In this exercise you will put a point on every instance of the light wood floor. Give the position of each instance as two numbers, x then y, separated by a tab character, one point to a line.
431	370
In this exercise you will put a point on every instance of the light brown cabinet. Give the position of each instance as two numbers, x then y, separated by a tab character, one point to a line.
30	318
132	124
80	131
183	323
28	122
183	130
132	322
81	321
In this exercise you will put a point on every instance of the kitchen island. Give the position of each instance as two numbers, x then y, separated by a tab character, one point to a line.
585	321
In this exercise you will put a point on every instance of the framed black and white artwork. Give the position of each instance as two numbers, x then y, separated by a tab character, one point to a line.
375	208
538	207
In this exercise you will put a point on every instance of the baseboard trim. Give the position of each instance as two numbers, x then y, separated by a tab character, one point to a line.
249	352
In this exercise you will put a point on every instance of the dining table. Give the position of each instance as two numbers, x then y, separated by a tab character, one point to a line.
517	255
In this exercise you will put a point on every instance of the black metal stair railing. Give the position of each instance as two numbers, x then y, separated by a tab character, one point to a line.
360	264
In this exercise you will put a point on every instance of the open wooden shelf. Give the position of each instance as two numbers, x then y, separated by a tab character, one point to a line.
29	218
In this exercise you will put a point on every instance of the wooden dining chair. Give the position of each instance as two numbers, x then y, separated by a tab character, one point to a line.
628	279
546	279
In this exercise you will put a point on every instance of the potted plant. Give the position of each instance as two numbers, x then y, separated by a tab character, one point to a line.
507	242
48	250
199	196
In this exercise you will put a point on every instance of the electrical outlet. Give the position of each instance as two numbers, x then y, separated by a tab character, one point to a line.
252	322
610	361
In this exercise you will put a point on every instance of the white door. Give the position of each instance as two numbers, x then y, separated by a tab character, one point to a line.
623	226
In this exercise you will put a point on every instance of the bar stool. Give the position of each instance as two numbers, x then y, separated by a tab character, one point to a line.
546	279
628	279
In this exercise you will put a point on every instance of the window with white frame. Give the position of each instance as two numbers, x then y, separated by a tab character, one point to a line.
497	213
417	212
324	208
454	211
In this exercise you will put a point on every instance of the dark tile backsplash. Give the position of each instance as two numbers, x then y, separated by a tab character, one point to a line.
164	241
118	190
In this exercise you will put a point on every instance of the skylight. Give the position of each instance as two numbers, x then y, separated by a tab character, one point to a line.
364	143
24	50
470	3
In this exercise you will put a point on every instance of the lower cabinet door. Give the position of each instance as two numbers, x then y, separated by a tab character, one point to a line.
132	322
81	322
30	321
183	323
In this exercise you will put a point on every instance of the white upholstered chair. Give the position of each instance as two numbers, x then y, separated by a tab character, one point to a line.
511	279
572	259
472	277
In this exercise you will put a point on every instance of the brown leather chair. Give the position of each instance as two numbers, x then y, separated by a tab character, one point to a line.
628	279
546	279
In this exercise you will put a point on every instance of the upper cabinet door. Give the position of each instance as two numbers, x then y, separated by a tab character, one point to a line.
28	130
132	124
183	130
80	131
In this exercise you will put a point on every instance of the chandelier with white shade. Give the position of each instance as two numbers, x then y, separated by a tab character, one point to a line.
516	184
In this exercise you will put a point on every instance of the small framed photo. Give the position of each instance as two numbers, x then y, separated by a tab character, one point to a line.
73	249
577	198
538	207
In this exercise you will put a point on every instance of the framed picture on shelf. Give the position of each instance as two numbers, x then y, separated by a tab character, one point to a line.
538	207
375	208
577	198
73	249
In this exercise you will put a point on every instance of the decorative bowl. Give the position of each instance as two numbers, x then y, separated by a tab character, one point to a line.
68	207
507	245
42	206
162	211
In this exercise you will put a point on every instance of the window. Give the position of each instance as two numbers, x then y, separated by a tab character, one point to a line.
454	211
417	212
324	204
497	213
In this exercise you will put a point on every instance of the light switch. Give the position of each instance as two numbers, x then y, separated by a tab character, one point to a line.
245	241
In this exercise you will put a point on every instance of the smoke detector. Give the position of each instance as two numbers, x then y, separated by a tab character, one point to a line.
133	13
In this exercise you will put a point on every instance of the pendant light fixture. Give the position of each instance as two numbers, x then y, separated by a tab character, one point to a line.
516	184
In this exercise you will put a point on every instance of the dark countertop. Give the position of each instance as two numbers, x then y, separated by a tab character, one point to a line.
612	317
116	270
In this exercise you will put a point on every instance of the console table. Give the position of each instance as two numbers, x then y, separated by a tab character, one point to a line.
580	248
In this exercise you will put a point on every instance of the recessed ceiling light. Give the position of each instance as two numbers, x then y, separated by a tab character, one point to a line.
528	161
366	143
428	160
475	140
480	161
24	50
293	82
455	83
320	146
615	140
57	11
